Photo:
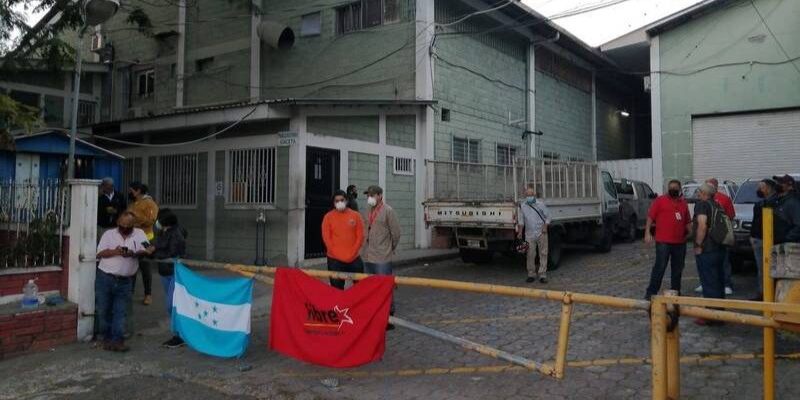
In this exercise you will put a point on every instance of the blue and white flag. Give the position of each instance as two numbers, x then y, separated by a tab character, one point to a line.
212	315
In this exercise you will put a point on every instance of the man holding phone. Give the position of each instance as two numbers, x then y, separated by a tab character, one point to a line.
119	251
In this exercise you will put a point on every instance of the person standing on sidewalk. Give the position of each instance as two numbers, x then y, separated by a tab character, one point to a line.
709	255
727	204
534	222
343	235
145	210
767	193
119	251
670	214
110	204
170	242
383	237
352	195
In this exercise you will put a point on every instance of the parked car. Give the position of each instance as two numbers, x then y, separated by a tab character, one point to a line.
744	201
690	192
635	198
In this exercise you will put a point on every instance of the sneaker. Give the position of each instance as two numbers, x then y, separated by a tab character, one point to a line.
530	279
728	291
148	299
699	289
543	280
174	343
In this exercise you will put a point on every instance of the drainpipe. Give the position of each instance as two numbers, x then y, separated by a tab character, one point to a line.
180	63
255	53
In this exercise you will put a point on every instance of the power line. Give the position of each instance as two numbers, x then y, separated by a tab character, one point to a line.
796	68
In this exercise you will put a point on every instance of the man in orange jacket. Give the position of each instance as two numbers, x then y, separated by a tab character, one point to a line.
343	234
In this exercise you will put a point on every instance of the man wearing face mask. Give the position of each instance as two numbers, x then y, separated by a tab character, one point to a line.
534	221
119	251
343	234
383	236
352	195
767	193
670	214
787	211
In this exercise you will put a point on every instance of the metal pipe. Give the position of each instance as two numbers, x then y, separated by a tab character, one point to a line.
658	348
769	296
545	369
734	304
673	349
563	336
76	90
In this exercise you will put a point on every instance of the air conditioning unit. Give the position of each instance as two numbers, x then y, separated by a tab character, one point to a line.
135	112
97	42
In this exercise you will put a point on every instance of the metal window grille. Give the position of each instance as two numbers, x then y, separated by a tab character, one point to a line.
177	183
366	14
86	112
466	150
348	18
146	82
403	166
251	176
129	173
505	154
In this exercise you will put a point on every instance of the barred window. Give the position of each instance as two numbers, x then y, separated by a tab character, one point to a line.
365	14
250	174
466	150
403	166
505	154
177	180
131	172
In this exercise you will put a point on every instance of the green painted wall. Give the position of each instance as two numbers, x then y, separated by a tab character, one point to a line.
374	63
730	35
564	114
352	127
401	130
194	220
363	172
480	79
399	194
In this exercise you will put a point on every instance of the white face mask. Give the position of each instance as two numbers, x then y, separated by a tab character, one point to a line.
340	205
372	201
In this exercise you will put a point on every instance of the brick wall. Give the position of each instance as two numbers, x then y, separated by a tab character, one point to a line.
47	278
39	329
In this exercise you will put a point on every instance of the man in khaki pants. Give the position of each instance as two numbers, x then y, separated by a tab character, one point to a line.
534	220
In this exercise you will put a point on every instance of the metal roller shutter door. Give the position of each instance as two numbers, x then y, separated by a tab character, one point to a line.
741	146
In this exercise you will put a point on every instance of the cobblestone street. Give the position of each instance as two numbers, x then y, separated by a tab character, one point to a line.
607	357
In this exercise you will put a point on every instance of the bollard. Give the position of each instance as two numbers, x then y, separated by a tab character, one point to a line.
769	296
658	347
673	349
563	336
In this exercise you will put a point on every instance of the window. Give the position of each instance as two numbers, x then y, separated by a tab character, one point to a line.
203	64
86	112
311	24
403	166
466	150
130	172
505	154
177	180
146	83
250	174
445	114
366	14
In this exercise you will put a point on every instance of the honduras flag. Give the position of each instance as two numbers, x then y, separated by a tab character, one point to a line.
212	315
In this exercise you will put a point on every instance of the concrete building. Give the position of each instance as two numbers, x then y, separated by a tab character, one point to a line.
724	79
278	103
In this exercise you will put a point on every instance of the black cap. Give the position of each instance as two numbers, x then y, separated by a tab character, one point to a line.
374	189
785	179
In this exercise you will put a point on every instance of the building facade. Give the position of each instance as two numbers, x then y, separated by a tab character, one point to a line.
236	113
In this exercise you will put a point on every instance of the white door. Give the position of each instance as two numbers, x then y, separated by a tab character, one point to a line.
26	177
741	146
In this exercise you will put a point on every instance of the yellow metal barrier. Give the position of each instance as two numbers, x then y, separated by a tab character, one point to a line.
769	296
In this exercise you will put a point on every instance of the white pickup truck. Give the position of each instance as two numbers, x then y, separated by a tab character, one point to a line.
477	204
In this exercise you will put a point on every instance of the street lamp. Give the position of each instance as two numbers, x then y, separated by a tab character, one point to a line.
94	12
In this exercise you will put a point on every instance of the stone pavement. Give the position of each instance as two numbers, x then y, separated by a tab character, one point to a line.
607	353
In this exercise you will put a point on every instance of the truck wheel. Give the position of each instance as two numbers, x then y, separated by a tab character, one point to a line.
553	251
471	256
604	246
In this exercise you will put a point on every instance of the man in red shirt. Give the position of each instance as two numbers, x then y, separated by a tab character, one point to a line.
343	234
670	214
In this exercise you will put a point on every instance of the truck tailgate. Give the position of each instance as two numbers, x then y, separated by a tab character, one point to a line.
465	214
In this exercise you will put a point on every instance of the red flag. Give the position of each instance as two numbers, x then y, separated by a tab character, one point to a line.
322	325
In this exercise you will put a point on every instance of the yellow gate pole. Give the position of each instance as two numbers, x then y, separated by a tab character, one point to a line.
769	296
673	350
658	347
563	336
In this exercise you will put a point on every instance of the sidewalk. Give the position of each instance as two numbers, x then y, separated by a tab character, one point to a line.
401	259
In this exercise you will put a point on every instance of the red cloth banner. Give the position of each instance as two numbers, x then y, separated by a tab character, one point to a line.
322	325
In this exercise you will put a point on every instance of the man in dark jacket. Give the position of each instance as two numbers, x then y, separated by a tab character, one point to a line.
352	195
787	211
170	242
767	193
109	206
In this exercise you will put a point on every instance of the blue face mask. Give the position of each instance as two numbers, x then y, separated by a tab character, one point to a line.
530	199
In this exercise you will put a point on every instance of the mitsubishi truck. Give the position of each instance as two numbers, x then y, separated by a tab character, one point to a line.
477	205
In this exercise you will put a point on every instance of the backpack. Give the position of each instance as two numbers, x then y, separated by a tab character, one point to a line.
720	226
